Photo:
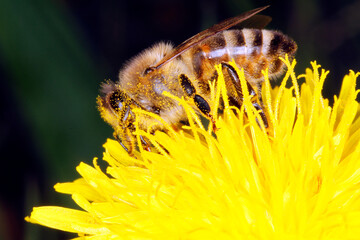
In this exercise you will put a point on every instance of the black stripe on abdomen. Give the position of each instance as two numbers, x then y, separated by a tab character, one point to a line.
239	38
216	42
275	43
258	37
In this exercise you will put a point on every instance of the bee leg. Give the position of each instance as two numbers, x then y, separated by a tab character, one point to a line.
236	83
199	101
129	116
123	145
124	132
146	144
259	85
123	137
126	139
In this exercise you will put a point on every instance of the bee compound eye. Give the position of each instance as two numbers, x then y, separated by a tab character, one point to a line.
116	100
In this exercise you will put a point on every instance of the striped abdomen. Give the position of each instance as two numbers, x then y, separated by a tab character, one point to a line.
252	49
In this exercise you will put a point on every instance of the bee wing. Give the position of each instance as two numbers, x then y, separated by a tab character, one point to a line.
228	23
257	21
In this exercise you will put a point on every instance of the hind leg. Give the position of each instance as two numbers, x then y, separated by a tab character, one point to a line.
235	81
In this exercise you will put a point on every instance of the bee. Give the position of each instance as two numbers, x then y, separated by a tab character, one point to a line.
187	70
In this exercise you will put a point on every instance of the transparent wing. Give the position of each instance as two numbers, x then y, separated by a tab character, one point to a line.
226	24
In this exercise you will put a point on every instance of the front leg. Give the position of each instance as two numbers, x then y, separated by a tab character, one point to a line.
124	131
199	101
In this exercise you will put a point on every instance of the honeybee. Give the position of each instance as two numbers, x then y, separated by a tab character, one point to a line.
187	70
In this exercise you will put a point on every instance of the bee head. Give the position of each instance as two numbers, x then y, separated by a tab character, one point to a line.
114	105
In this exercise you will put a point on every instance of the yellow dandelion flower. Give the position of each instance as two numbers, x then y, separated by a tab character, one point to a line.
297	179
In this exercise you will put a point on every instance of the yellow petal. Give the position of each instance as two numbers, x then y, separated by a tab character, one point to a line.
298	179
66	219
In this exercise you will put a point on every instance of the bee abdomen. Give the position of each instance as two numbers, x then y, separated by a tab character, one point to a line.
252	49
260	49
250	42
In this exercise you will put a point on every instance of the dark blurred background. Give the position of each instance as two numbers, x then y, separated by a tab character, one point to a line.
55	53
